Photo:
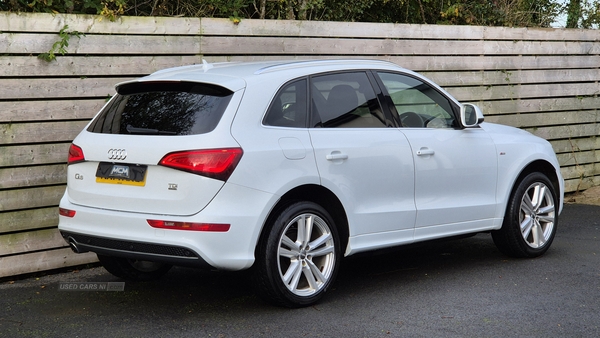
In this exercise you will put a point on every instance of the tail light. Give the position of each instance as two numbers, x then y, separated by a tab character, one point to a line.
66	212
75	154
214	163
212	227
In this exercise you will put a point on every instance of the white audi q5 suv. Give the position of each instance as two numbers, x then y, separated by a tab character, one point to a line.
287	167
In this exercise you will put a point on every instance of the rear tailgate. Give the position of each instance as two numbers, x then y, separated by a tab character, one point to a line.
124	144
162	191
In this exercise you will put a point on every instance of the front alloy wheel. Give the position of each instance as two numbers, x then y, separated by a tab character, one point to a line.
531	218
537	215
297	256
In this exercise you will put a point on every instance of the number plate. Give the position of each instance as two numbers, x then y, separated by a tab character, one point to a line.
128	174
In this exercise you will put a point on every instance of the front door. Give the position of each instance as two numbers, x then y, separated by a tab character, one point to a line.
455	169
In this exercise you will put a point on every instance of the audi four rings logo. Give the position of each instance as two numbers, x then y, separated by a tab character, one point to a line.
117	154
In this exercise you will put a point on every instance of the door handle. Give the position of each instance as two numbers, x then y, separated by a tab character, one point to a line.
336	155
425	152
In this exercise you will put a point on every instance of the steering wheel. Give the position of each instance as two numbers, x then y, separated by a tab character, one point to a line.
411	120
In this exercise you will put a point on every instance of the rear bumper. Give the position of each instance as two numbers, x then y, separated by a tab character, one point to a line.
175	255
128	234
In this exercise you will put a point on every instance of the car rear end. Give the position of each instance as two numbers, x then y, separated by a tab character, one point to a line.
147	178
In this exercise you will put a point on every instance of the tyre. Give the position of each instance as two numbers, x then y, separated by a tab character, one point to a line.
531	218
132	269
298	256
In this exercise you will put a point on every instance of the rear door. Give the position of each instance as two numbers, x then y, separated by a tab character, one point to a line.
362	159
455	169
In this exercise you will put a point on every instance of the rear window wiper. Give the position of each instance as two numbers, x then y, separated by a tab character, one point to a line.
148	131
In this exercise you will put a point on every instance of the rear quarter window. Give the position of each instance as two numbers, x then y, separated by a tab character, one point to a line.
163	108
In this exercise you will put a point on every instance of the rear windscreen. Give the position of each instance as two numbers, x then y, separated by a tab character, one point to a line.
163	108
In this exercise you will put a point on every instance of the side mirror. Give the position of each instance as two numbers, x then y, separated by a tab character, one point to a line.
470	115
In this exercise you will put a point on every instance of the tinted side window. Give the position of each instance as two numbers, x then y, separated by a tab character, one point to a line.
288	109
177	108
418	104
345	100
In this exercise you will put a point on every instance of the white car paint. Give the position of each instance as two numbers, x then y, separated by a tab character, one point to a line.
396	185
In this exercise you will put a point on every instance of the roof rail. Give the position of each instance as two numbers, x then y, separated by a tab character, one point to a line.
295	64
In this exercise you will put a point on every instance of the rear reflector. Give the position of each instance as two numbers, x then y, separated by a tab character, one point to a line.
213	163
75	154
212	227
66	212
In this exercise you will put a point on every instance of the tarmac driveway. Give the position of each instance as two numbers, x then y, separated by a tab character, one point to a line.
459	288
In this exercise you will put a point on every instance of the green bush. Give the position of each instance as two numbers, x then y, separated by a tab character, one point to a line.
537	13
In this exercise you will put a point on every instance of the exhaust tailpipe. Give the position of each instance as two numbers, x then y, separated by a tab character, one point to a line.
73	245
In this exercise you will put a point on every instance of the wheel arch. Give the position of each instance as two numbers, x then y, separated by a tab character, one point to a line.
543	167
316	194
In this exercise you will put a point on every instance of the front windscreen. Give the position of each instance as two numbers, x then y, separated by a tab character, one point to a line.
163	108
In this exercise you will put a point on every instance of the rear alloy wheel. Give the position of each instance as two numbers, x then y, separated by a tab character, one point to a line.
531	219
298	257
132	269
